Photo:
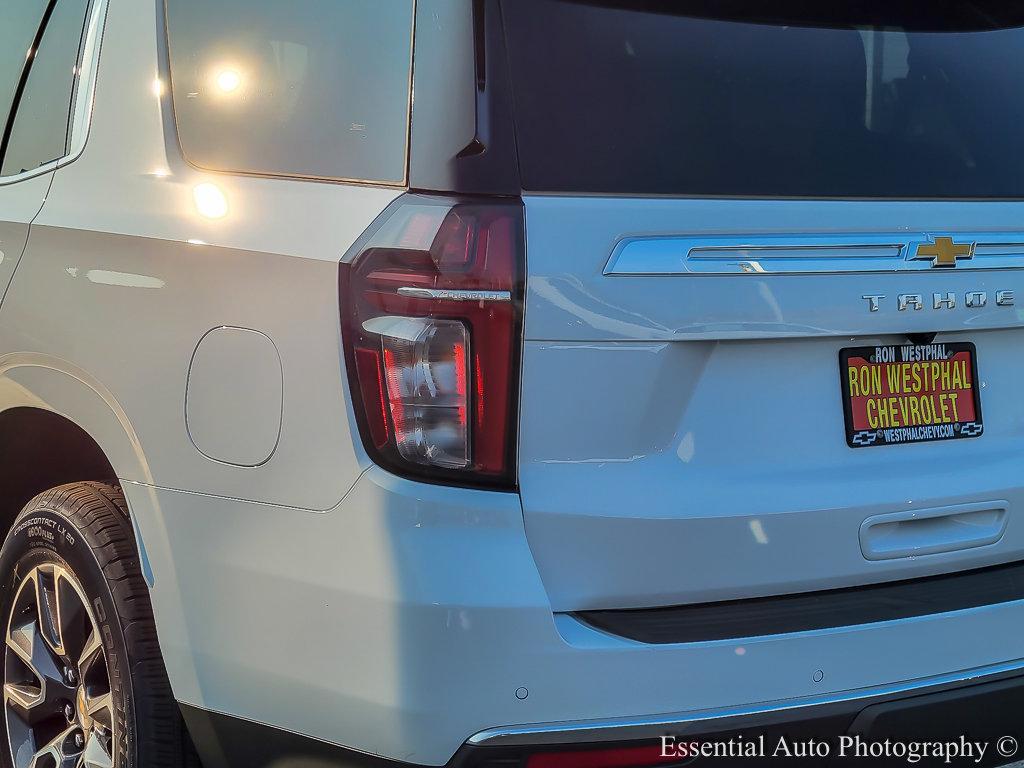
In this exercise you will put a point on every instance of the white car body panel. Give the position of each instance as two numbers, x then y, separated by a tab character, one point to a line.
434	616
434	613
20	203
115	215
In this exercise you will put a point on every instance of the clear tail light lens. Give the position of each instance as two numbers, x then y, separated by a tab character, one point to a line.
425	367
431	310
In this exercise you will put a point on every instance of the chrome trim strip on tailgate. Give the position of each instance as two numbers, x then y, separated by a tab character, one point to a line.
802	254
632	729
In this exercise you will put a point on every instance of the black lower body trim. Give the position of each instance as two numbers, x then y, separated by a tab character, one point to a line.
735	619
981	713
223	741
983	721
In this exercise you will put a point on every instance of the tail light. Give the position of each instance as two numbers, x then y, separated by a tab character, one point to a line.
431	310
648	756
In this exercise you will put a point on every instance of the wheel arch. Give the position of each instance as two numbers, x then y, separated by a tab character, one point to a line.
53	403
58	426
42	449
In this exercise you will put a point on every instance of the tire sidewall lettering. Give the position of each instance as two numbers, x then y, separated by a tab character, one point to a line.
48	536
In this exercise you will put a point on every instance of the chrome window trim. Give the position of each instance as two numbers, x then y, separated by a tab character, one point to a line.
84	93
633	729
25	175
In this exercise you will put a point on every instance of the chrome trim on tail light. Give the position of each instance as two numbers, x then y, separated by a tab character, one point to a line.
449	294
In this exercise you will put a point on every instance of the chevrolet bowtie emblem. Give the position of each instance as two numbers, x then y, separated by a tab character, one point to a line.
944	252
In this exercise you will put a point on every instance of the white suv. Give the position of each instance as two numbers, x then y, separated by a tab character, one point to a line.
507	382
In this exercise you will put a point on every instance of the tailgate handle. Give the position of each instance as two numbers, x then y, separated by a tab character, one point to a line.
930	531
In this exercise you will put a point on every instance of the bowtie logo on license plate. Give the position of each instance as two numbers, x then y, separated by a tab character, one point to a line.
943	252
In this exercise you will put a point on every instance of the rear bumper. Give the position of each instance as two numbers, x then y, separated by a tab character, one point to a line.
410	623
959	720
828	716
946	722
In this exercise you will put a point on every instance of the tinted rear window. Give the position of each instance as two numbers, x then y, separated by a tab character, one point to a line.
305	88
688	98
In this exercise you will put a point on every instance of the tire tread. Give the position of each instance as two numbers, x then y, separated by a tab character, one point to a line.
100	513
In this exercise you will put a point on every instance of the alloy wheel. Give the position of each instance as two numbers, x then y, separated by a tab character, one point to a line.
58	704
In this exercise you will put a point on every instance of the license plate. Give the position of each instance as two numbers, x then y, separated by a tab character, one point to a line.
910	393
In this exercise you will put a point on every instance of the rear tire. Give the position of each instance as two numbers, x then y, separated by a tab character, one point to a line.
84	682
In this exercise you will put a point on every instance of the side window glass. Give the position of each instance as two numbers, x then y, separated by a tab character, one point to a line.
304	88
19	25
40	131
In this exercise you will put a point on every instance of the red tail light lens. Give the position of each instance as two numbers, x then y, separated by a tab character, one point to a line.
431	310
623	757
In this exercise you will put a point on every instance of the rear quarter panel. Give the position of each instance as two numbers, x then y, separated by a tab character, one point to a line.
123	277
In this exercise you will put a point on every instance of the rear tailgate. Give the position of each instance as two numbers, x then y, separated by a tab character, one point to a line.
682	434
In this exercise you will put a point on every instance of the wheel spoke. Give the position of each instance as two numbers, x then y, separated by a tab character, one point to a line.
73	621
96	754
19	640
46	609
22	699
30	702
20	712
101	709
55	752
48	668
91	652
